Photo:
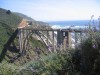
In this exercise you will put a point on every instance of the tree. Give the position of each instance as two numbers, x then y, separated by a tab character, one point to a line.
8	12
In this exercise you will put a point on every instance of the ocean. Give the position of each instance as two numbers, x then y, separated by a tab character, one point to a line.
72	24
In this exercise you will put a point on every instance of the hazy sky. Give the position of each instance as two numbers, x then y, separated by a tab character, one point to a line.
53	10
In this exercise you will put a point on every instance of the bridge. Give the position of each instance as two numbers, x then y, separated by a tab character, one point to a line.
20	43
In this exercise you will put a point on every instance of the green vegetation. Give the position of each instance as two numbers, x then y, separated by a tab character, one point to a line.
8	21
53	64
24	16
82	61
11	19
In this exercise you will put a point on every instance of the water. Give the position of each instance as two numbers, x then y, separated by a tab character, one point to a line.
72	24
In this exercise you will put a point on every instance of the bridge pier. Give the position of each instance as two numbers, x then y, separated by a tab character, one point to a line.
67	40
76	39
64	39
59	39
47	37
53	41
20	39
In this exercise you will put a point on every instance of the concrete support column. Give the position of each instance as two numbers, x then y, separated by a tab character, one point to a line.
20	39
48	37
75	39
59	39
25	39
65	43
69	39
53	41
80	37
99	23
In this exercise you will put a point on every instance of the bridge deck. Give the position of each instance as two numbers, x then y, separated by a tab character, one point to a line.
64	30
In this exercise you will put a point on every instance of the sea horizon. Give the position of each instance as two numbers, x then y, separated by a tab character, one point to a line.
72	23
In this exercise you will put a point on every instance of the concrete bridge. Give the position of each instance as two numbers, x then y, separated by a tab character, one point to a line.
57	38
54	39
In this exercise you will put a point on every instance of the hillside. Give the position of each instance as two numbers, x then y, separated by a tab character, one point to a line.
8	20
35	24
24	16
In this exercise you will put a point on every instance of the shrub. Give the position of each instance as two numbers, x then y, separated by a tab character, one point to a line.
87	59
8	12
53	64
